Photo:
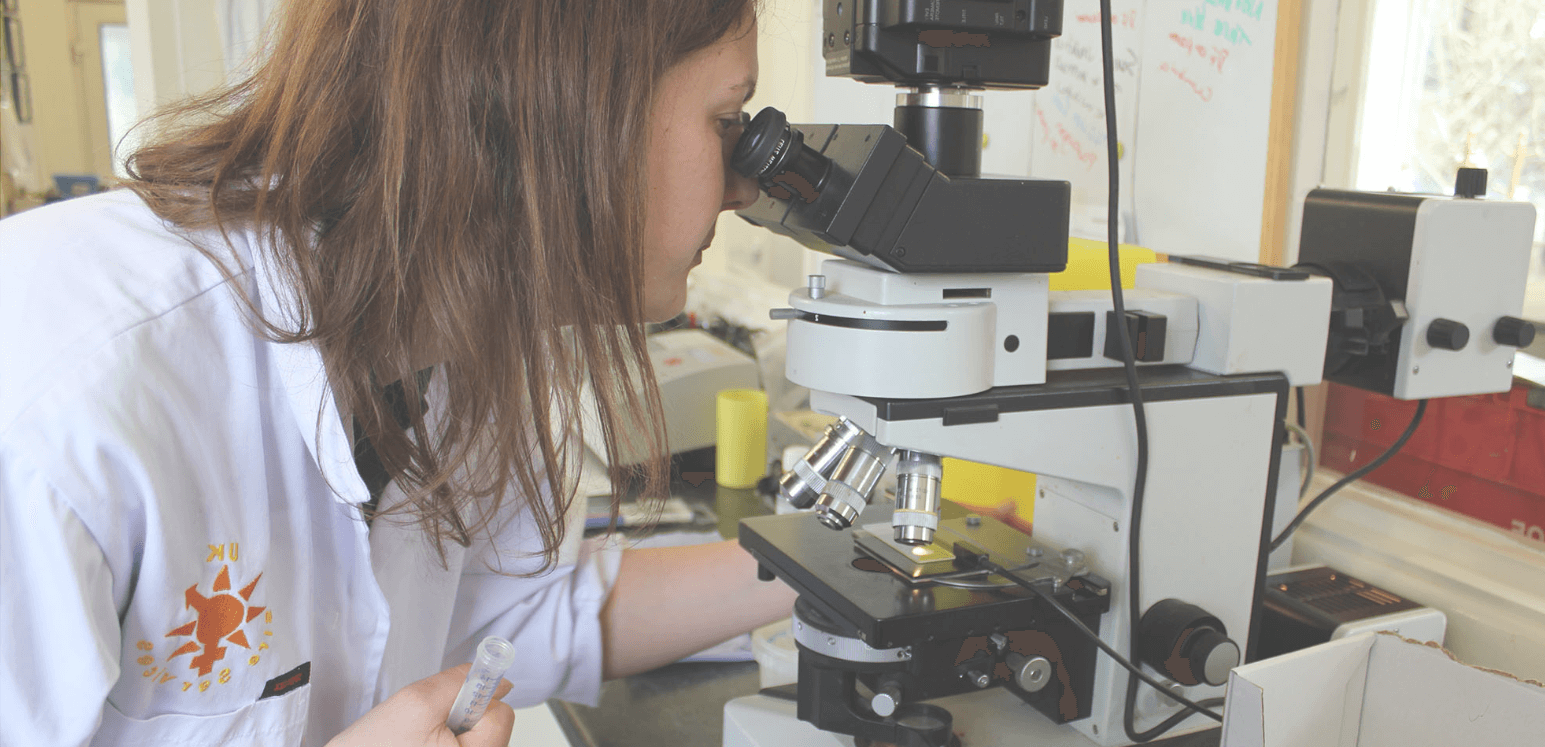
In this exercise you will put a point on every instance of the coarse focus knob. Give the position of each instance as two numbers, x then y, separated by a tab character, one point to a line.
1448	334
1186	643
1513	331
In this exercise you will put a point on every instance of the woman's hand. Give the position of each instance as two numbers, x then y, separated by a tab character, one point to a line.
415	717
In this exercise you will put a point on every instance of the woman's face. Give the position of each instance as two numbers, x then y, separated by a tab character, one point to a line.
693	126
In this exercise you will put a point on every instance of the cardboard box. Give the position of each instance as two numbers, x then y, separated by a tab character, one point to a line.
1379	690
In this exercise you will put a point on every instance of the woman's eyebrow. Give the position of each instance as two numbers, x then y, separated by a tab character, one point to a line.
749	84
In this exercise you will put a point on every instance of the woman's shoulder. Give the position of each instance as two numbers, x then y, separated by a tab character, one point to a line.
78	218
82	283
111	229
107	258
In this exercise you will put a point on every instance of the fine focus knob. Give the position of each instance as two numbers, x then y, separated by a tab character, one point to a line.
885	701
1448	334
1513	331
1213	655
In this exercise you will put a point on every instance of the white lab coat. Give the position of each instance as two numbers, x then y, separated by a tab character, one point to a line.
181	555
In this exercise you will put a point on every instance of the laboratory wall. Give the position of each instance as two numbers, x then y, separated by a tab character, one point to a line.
61	125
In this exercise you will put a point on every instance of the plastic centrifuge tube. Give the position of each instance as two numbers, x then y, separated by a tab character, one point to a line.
494	657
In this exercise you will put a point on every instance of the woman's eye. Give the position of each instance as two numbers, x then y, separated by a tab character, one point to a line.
731	124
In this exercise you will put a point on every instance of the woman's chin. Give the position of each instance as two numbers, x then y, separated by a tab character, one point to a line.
664	312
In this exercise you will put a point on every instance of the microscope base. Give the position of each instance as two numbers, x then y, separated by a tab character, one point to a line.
991	718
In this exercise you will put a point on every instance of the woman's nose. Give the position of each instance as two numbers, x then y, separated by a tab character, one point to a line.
739	192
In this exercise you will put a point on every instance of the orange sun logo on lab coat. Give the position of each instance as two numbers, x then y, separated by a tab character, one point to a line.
218	619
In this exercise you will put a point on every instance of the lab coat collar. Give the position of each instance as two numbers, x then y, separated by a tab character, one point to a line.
305	383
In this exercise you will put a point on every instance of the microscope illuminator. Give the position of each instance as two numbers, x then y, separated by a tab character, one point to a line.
1436	264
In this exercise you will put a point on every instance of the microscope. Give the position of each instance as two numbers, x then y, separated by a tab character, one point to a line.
934	334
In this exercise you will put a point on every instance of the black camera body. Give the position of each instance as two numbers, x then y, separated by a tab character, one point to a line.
976	43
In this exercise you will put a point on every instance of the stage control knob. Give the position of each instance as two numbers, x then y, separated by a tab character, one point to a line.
1513	331
1448	334
1186	643
1031	673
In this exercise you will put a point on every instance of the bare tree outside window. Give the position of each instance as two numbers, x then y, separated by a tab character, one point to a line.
1472	93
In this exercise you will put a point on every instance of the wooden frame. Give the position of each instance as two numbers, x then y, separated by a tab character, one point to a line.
1279	147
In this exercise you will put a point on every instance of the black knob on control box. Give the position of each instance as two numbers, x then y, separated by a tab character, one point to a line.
1513	331
1183	641
1448	334
1470	182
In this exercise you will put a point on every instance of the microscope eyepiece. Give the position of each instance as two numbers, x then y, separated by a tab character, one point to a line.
764	144
774	153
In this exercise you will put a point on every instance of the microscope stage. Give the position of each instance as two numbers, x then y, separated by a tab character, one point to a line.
888	601
935	561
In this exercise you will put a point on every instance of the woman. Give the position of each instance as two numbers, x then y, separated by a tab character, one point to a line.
290	424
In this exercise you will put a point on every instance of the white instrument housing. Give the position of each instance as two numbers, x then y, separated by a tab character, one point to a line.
881	334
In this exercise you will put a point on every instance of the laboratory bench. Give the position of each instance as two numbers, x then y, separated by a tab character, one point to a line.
682	705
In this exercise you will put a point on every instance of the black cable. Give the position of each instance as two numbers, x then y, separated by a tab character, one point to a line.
1299	398
1091	635
1134	528
1416	420
1182	715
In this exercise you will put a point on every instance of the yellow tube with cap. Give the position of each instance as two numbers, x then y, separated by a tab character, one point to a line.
741	422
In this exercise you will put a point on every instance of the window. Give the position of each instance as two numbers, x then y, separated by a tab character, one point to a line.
1451	83
118	91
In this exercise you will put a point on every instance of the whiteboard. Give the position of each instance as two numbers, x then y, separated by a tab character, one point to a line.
1193	102
1068	128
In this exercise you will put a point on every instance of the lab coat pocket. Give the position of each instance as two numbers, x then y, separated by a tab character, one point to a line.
269	722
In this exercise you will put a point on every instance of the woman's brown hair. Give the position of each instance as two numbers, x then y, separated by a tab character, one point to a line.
458	176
